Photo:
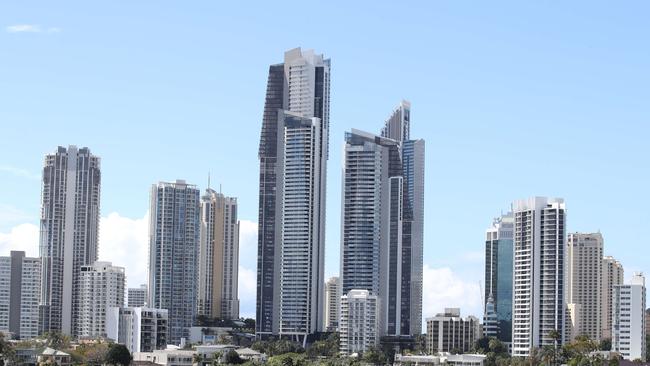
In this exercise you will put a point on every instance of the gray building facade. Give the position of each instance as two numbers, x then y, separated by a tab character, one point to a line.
68	233
173	254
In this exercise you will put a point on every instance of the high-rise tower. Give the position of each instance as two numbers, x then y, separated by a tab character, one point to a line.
69	233
584	283
539	277
498	276
173	252
218	257
293	165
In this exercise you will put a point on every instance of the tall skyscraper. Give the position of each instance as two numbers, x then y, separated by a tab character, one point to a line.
539	273
584	287
218	257
68	234
173	252
20	282
398	128
498	276
628	319
332	304
101	288
382	213
293	167
137	296
612	276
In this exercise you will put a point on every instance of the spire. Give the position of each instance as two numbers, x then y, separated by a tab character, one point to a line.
208	179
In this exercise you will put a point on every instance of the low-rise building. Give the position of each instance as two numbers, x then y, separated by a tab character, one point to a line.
448	332
208	335
443	358
52	356
139	329
167	357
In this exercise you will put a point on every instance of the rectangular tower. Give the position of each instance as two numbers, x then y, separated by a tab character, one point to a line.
137	296
539	274
20	281
173	252
332	304
101	288
498	277
628	319
613	274
218	257
584	287
293	165
69	233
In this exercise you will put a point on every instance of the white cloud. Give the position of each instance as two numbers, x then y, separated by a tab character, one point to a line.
22	237
10	216
125	242
31	28
247	292
24	28
18	172
442	289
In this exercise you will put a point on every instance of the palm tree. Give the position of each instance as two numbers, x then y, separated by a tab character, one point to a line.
197	359
556	337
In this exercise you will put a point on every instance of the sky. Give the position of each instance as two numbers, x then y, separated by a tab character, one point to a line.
514	99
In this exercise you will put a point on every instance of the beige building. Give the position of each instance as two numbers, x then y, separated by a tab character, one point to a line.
584	287
218	257
332	304
612	276
448	331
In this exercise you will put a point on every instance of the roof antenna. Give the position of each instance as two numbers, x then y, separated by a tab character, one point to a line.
208	179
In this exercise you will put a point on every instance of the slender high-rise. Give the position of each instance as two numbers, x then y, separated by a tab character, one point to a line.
332	304
173	252
498	277
218	257
539	276
613	274
293	167
68	233
381	231
584	282
398	128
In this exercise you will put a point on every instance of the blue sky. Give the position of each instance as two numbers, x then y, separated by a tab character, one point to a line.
513	99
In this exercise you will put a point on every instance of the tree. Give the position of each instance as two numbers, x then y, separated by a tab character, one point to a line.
7	352
118	354
232	358
325	348
57	340
374	356
605	344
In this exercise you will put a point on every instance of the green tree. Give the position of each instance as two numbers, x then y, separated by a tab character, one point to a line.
56	340
605	344
374	356
7	352
326	348
118	354
232	358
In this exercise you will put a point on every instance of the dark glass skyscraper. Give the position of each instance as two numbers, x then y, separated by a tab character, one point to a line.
498	276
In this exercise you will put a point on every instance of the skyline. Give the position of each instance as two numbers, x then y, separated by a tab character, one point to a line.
594	87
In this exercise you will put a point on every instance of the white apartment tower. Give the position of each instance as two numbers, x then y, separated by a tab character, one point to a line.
173	254
293	167
359	322
137	296
332	304
218	257
613	275
68	234
20	289
539	273
140	329
628	319
448	331
101	288
584	286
